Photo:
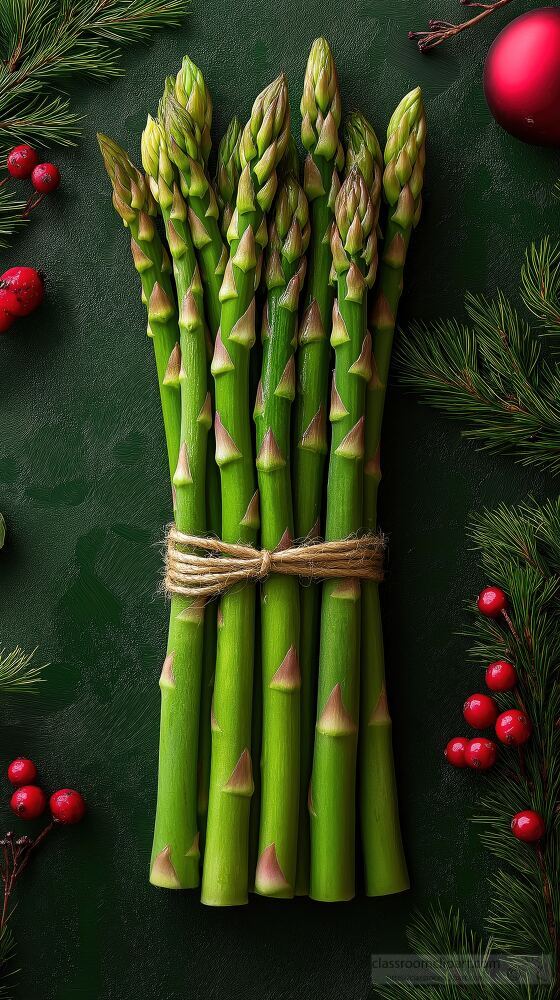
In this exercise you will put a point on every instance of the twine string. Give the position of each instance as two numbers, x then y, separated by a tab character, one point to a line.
205	567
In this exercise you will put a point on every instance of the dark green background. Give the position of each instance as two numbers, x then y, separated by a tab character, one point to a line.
83	486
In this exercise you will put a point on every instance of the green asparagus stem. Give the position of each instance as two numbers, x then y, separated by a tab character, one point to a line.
363	151
228	169
284	274
134	203
320	109
203	213
332	796
176	832
384	861
264	139
193	95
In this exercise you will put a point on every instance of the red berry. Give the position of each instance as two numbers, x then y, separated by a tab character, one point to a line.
28	287
480	711
9	302
45	178
513	727
492	601
528	826
455	751
501	676
481	754
21	161
67	806
28	802
22	771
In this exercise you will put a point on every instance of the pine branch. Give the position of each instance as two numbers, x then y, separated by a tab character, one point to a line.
495	374
519	550
45	41
17	676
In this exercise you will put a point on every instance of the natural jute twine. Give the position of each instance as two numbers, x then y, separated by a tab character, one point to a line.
224	565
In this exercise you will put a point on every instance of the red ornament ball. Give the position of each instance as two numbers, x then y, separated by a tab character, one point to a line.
528	826
28	802
501	676
67	806
26	288
45	178
9	302
22	771
513	727
455	751
481	755
491	601
522	77
480	711
21	161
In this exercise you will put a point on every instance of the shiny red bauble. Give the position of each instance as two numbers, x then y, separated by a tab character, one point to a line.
501	676
492	601
481	754
513	727
21	161
22	771
455	751
45	178
67	806
522	77
528	826
28	802
480	711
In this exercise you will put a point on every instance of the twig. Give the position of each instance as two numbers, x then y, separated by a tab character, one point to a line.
440	31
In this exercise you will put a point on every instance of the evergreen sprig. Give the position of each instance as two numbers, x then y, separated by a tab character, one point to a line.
17	674
520	551
497	374
43	42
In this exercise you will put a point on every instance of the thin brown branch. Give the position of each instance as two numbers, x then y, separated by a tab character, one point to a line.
439	31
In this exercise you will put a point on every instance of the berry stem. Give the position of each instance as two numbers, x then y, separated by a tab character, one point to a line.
440	31
15	858
510	625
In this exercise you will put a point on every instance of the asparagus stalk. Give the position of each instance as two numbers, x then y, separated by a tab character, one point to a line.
332	796
134	203
320	108
264	139
203	213
228	169
175	852
384	861
284	274
176	830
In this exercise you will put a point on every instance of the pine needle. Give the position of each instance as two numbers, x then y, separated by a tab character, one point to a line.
17	676
11	216
497	375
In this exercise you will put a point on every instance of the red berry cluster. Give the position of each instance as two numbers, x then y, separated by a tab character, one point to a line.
23	163
29	800
512	727
21	291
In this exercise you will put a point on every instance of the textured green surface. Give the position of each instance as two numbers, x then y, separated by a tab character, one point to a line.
83	485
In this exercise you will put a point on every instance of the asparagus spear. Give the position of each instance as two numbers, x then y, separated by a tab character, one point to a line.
228	169
262	145
320	108
284	274
203	211
384	861
332	796
193	95
363	150
175	853
134	203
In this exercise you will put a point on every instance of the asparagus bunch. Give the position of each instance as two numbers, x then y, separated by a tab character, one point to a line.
321	113
331	802
384	861
281	681
262	145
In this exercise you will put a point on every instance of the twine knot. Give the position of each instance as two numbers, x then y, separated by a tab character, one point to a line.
202	568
